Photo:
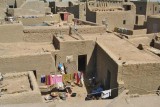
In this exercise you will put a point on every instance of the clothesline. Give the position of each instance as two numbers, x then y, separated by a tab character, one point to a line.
109	89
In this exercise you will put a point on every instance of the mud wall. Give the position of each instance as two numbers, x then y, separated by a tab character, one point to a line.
38	20
126	19
11	33
153	24
141	78
75	48
107	70
43	34
42	63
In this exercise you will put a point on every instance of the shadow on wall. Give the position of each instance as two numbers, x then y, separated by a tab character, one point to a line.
107	71
104	69
90	71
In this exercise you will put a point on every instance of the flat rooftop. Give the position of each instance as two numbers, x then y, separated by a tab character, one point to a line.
23	48
16	83
120	48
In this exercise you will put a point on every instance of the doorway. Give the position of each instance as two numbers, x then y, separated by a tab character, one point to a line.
82	61
62	16
35	73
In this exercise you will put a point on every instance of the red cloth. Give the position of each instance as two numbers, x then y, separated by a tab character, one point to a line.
78	76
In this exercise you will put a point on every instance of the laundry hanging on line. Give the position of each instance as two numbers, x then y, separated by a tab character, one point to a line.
106	94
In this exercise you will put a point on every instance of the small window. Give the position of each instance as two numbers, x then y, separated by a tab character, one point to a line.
155	8
124	22
136	19
127	7
11	6
140	8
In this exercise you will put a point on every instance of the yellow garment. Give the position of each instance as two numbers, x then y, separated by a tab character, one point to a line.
67	77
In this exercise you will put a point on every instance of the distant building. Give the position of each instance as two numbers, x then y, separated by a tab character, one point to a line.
112	14
146	8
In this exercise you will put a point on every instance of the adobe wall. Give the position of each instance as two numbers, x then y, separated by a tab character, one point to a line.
105	63
75	48
11	33
140	77
43	34
19	2
74	10
152	8
30	8
153	24
91	29
79	11
146	8
140	7
2	13
127	16
140	20
136	77
43	64
26	12
139	32
82	11
90	16
38	20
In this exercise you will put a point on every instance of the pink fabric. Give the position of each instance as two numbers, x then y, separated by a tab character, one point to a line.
53	79
51	82
58	78
76	76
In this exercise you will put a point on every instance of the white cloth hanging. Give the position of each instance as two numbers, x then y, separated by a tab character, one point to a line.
106	94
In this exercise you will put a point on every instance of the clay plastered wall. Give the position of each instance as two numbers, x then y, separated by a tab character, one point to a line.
26	12
74	10
43	34
106	64
91	29
140	77
33	21
19	3
2	13
127	16
76	48
152	8
34	5
11	33
153	25
140	7
90	16
139	32
42	63
140	20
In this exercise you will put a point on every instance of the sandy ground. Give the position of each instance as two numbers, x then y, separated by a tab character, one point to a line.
81	94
